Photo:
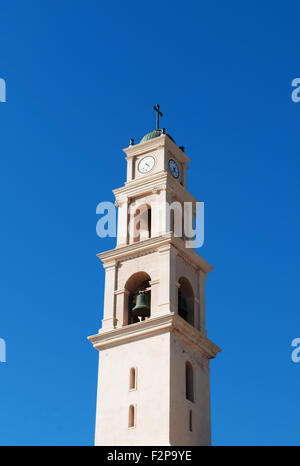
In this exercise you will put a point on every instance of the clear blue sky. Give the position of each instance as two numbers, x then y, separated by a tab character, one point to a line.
82	78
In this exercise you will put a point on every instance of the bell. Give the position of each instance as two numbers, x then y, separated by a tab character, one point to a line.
141	308
182	310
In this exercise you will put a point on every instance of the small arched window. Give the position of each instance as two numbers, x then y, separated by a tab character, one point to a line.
131	421
132	381
189	381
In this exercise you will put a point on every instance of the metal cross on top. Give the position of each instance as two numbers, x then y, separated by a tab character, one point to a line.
156	108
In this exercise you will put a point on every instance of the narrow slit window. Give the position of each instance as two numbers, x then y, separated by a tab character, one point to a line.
131	422
189	381
132	383
149	223
191	420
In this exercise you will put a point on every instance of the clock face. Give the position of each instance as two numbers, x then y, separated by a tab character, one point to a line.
174	168
146	164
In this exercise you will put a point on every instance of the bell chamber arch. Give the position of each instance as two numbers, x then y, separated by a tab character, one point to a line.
139	297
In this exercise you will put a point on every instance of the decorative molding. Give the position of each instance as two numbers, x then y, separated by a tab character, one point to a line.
136	255
170	322
166	248
121	201
110	265
160	142
144	148
151	245
122	291
161	180
142	185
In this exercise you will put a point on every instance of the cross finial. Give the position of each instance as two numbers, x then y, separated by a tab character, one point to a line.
158	114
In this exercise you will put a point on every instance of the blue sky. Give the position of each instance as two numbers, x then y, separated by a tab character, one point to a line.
82	78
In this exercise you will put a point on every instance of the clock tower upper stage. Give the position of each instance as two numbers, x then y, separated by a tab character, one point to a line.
156	183
157	155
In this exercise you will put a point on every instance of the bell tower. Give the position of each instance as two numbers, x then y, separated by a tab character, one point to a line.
153	382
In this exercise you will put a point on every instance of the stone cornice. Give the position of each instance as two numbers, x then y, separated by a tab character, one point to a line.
133	249
122	291
153	245
142	185
162	141
166	323
151	184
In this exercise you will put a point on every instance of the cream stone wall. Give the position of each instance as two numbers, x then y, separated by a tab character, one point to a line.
147	263
158	349
162	149
157	154
179	405
151	358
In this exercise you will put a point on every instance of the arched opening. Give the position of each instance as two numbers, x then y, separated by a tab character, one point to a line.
186	300
132	380
142	223
139	299
189	381
131	420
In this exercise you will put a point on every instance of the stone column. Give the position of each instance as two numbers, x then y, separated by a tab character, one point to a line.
122	238
163	212
156	212
196	313
108	322
173	287
202	278
131	221
154	284
177	285
168	290
129	168
121	307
